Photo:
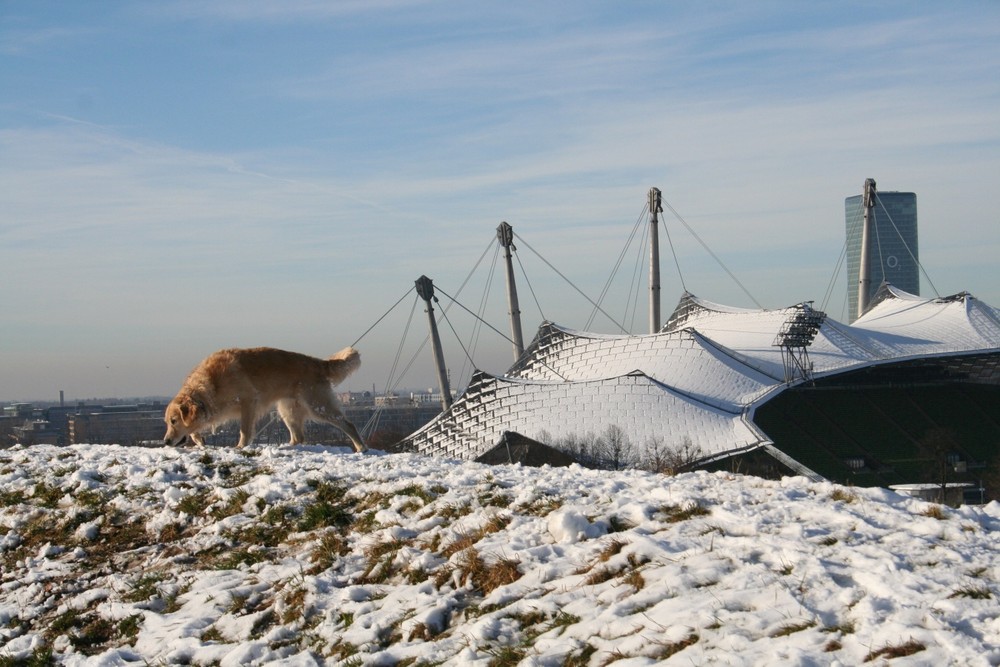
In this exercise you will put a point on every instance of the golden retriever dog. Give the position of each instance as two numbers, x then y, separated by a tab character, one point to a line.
245	384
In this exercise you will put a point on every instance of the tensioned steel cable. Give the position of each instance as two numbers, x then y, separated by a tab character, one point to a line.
530	288
483	300
908	250
381	318
569	282
373	421
635	285
502	335
713	255
618	263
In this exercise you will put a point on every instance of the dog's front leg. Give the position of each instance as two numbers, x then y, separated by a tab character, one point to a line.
248	422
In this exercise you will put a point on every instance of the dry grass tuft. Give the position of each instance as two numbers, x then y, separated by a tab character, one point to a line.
900	651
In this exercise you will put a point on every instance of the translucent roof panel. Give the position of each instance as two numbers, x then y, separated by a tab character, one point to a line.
683	360
649	414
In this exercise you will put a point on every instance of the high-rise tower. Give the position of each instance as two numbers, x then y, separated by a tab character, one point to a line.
886	224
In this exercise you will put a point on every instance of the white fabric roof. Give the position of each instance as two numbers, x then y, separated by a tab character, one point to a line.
699	380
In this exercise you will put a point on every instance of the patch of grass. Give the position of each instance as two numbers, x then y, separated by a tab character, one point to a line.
792	628
417	491
677	513
634	579
452	511
899	651
366	522
89	632
380	557
143	588
666	649
488	577
612	548
172	532
973	592
495	524
259	535
237	557
119	535
294	605
90	499
279	515
233	478
935	512
213	634
40	657
262	623
845	628
232	506
541	507
195	504
496	499
843	495
47	495
628	572
616	524
11	498
599	576
464	541
580	658
95	632
129	626
506	656
328	549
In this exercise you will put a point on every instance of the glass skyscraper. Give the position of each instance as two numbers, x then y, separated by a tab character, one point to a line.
892	250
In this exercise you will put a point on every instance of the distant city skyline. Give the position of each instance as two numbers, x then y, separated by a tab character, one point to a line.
182	177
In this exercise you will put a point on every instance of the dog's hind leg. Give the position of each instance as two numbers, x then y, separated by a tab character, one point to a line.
352	433
294	415
324	406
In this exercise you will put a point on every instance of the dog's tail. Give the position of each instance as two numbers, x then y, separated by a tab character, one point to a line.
342	364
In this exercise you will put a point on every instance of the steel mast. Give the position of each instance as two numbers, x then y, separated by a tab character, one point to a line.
506	235
655	207
865	269
425	288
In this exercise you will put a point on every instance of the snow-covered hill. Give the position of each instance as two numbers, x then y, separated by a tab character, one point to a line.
308	555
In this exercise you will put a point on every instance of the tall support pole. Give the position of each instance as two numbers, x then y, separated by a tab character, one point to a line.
655	207
506	235
865	268
425	288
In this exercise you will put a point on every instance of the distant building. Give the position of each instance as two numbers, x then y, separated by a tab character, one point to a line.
37	432
120	424
892	251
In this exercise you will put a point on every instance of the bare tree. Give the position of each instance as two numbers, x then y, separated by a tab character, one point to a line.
672	460
939	448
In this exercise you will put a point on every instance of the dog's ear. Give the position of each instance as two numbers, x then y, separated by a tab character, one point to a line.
189	410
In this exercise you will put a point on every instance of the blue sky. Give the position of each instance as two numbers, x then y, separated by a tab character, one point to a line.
182	176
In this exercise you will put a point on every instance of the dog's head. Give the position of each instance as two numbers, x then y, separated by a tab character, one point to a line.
183	416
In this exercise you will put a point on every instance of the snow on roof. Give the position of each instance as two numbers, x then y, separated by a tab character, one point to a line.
700	378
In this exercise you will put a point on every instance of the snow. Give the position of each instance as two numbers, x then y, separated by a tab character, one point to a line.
306	555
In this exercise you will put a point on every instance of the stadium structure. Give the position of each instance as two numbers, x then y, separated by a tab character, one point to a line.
907	393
